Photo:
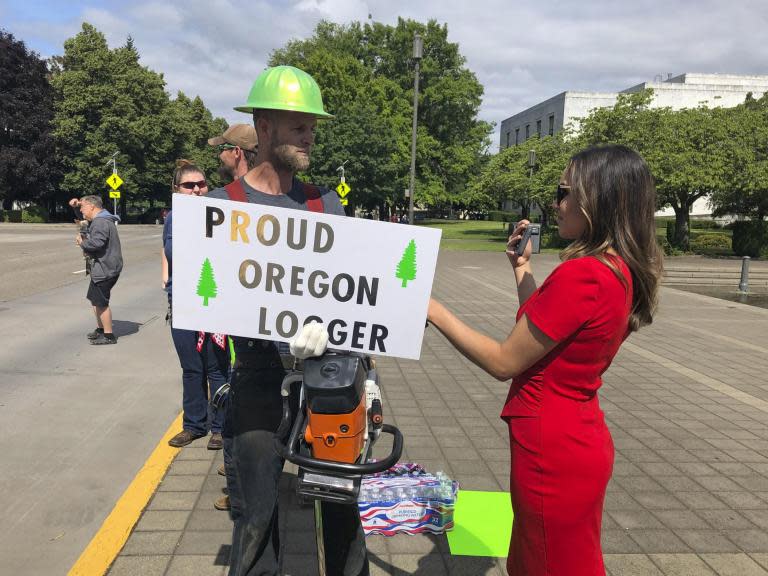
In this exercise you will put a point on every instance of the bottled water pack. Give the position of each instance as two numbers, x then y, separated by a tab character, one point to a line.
407	499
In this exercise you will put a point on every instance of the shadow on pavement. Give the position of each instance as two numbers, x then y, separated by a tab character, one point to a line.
437	562
124	327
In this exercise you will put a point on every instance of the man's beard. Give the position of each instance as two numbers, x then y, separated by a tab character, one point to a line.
227	174
286	158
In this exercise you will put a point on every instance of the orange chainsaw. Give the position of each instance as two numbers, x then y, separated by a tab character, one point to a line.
338	421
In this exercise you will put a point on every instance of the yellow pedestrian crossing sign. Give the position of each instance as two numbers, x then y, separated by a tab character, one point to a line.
114	193
114	181
343	189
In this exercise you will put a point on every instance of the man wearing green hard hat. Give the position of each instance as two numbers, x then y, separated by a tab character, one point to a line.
286	104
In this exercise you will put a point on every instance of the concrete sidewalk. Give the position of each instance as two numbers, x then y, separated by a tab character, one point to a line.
687	404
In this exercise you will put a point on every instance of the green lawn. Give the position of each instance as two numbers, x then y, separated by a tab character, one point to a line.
487	236
473	235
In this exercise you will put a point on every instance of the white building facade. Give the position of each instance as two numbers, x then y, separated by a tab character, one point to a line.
687	90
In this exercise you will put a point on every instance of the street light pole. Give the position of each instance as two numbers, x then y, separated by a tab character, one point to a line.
531	166
418	48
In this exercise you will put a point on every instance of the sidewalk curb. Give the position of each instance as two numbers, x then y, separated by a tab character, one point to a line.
114	532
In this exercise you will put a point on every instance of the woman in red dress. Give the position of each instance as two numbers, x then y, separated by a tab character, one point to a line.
567	333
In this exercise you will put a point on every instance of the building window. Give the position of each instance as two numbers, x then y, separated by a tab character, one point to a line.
538	128
551	124
508	133
517	136
527	131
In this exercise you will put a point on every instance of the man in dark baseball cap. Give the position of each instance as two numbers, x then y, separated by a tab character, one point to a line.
237	153
237	150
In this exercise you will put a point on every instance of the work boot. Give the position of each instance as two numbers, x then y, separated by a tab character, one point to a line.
95	334
183	438
222	471
222	503
216	442
104	338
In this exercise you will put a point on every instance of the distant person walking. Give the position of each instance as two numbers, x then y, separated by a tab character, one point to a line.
101	243
204	357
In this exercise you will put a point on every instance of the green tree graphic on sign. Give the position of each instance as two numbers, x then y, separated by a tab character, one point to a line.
406	269
206	286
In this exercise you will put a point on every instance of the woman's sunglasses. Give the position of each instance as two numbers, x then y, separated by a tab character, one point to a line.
562	191
191	185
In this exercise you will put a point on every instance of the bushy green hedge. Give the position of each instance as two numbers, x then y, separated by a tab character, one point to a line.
551	239
671	232
34	215
750	238
11	215
503	216
668	249
704	225
693	223
711	240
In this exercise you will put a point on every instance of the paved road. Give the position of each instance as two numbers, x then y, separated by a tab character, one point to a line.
76	421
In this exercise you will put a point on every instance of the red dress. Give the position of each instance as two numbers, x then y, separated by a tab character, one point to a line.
561	449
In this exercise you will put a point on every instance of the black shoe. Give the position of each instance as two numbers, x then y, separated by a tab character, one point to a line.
95	334
183	438
104	339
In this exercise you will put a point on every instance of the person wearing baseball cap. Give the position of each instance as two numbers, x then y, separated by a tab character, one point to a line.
237	151
237	148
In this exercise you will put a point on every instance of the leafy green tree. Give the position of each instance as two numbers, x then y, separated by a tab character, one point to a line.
747	152
508	175
686	150
366	73
27	167
107	102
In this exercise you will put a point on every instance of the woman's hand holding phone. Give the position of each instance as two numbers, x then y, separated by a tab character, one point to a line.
518	250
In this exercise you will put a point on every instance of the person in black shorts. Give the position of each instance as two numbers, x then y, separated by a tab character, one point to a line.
102	243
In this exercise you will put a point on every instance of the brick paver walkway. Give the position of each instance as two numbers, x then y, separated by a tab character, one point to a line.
687	404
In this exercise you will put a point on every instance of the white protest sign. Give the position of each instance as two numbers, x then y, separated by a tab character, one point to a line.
259	271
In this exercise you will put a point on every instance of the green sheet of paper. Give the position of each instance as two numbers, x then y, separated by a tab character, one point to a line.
482	524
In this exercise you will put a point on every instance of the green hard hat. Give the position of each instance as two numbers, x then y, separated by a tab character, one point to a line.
285	88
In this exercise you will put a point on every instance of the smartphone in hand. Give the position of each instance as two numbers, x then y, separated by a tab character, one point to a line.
520	248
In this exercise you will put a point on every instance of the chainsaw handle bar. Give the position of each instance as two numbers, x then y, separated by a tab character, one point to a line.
288	452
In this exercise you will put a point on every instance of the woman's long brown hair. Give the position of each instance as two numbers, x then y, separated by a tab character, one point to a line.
614	190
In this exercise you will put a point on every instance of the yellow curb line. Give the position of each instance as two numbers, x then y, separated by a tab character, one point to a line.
111	537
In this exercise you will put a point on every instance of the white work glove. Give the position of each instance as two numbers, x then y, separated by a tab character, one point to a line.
312	340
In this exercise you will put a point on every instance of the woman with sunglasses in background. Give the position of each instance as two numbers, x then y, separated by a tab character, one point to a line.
204	357
566	335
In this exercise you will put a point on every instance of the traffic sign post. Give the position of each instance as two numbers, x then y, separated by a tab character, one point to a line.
114	182
343	188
